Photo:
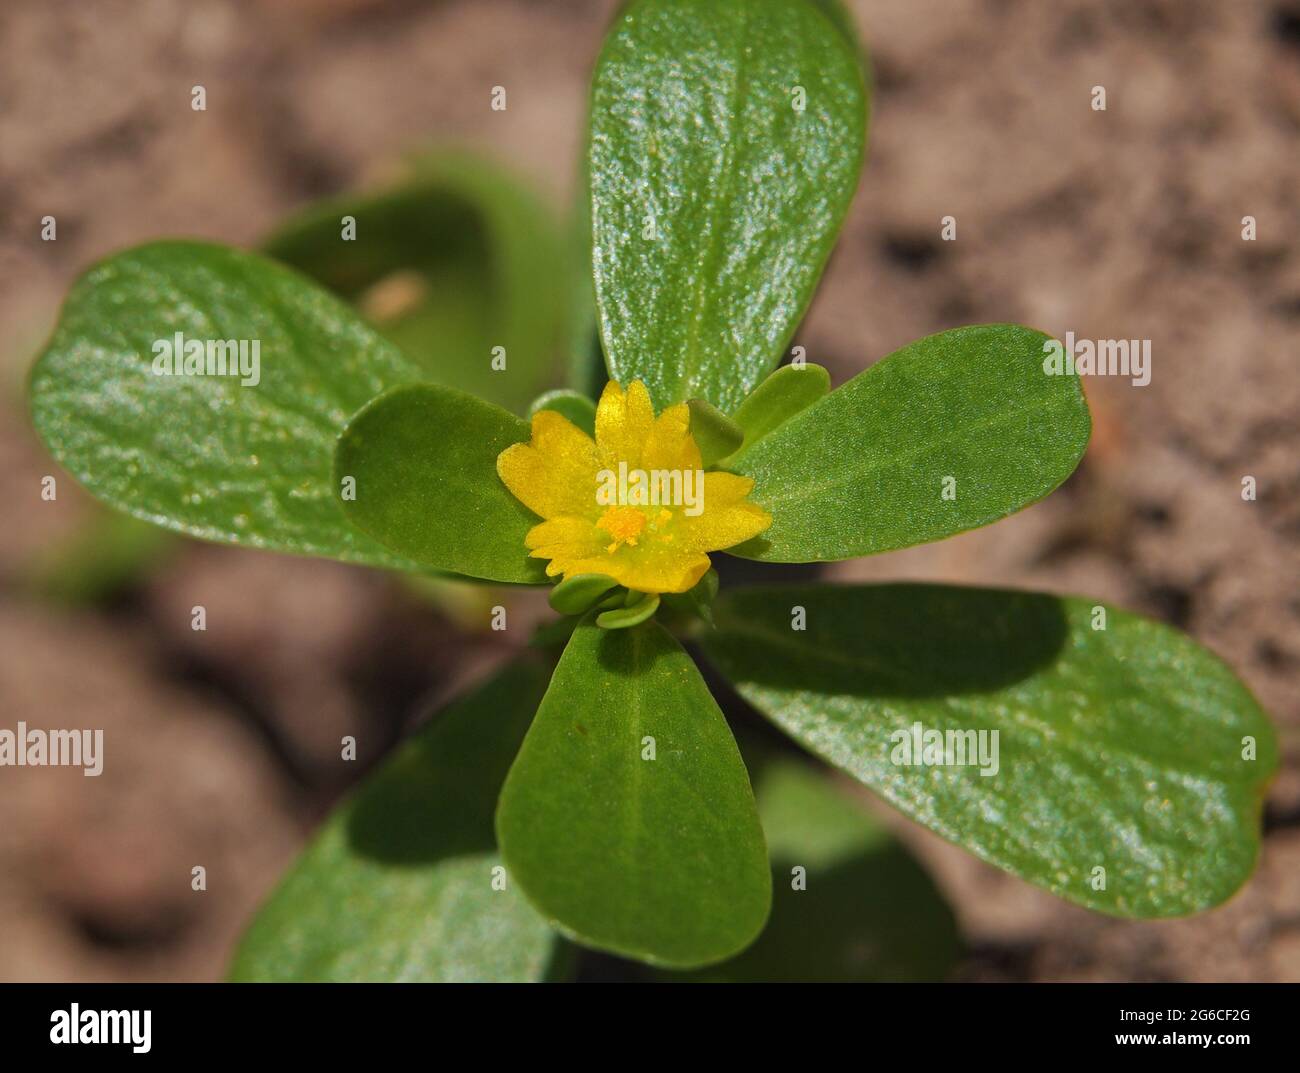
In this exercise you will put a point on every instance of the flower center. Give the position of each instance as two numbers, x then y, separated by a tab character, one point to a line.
624	524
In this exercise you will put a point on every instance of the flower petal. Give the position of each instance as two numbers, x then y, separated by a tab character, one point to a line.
678	574
670	444
727	520
575	546
623	423
573	536
555	474
655	568
567	543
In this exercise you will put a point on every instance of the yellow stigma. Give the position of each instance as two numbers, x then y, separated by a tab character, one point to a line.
635	502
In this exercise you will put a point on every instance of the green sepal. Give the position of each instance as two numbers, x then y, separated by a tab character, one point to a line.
698	600
576	594
715	434
639	607
573	405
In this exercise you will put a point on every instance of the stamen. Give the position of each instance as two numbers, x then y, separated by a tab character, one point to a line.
624	524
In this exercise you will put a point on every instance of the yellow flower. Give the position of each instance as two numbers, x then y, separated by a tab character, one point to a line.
635	503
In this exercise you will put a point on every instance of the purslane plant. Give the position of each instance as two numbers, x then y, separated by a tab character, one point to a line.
725	142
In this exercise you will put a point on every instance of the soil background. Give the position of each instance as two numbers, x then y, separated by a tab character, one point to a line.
1124	223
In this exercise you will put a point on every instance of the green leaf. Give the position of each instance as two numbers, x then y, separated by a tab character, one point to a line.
424	461
788	391
715	203
398	884
1119	748
585	369
952	432
574	405
860	909
206	455
840	18
656	859
714	432
457	259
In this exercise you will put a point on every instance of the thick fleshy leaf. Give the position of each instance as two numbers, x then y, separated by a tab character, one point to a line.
950	433
849	903
403	881
726	141
627	817
841	19
423	459
585	369
458	259
1130	763
211	455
